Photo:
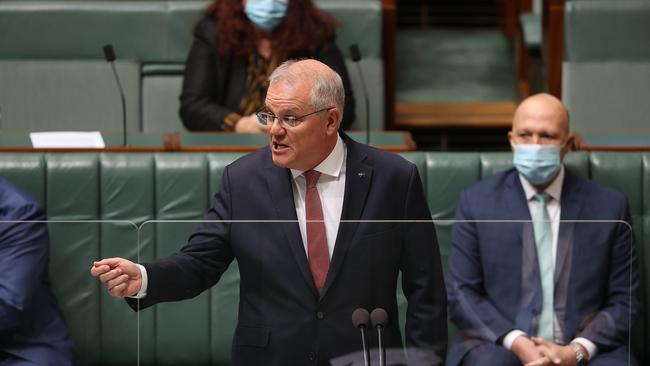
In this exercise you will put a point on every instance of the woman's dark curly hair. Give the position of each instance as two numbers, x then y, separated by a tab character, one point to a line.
304	29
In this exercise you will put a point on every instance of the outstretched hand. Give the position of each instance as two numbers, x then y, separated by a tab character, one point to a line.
120	276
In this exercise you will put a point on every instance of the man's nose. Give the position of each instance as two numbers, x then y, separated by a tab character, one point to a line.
276	128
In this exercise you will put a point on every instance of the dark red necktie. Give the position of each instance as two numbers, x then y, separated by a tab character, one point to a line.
317	252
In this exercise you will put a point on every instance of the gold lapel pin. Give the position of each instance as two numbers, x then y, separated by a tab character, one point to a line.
361	174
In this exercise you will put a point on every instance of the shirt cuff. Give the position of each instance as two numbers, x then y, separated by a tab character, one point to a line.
143	289
509	339
588	345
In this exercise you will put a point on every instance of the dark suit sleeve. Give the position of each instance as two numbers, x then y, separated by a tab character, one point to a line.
330	55
200	263
422	280
23	262
609	328
199	109
469	308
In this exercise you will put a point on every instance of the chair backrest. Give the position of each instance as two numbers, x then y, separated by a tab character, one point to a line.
606	68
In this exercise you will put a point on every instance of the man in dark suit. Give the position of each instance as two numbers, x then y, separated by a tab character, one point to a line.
312	255
550	291
32	331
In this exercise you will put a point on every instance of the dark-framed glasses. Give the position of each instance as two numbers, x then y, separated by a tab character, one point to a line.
267	118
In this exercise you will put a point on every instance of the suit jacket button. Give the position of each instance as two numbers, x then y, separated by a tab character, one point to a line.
312	356
320	315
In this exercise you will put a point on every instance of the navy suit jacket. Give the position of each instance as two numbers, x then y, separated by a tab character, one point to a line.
282	320
494	284
31	325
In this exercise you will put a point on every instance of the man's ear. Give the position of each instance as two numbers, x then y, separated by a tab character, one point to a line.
510	138
333	117
577	143
569	145
571	141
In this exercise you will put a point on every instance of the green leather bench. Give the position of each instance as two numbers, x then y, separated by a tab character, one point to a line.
178	186
607	64
54	76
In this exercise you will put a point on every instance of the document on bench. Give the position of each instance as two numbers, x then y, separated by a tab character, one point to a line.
67	139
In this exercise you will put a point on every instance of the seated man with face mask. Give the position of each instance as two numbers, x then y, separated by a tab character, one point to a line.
546	285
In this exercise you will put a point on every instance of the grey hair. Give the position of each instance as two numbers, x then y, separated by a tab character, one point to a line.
326	90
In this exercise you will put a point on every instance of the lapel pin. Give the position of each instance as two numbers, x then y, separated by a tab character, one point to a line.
361	175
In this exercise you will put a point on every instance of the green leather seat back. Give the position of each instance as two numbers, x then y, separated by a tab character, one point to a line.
162	80
52	68
72	193
161	88
125	193
182	329
360	22
72	95
26	171
625	172
606	68
447	175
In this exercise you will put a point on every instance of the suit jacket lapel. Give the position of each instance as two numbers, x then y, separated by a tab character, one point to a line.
357	183
516	202
517	206
279	184
571	205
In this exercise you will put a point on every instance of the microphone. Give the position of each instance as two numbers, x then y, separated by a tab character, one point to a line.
109	56
356	57
379	319
361	320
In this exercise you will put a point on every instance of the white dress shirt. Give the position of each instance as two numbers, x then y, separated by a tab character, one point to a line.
554	190
331	189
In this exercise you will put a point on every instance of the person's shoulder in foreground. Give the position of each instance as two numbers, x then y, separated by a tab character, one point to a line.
32	329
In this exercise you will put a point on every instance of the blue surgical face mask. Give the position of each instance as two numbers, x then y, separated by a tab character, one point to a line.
266	14
537	163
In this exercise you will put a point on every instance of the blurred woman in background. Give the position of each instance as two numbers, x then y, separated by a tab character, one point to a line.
237	44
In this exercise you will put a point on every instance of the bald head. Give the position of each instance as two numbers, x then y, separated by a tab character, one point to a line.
325	84
542	110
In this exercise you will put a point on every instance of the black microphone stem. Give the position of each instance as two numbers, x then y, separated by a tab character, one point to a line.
119	86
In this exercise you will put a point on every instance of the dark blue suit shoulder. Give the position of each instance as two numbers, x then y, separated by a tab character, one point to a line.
383	159
488	186
255	161
17	204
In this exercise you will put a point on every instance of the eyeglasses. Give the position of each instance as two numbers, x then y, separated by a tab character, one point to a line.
267	118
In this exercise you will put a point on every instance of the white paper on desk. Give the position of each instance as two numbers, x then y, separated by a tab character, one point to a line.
63	139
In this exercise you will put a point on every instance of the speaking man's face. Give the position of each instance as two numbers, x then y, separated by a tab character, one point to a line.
305	145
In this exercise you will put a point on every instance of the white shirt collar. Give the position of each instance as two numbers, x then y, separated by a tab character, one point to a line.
331	165
554	189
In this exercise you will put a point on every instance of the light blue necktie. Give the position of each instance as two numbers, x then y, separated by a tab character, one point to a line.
544	243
